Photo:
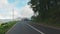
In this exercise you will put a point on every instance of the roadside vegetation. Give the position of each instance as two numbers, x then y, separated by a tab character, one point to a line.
4	27
48	11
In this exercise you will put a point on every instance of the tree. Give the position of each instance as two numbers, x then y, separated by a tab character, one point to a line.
46	8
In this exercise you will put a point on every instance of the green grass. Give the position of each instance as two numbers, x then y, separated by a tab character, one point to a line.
4	27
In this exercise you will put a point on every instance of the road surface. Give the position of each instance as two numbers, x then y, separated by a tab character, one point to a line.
24	28
47	30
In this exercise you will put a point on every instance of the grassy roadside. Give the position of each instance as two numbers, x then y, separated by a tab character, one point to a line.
6	26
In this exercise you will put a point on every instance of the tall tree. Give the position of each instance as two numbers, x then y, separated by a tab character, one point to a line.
46	8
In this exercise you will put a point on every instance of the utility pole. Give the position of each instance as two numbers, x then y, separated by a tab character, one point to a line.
13	14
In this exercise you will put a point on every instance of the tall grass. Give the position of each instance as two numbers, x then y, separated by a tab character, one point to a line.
4	27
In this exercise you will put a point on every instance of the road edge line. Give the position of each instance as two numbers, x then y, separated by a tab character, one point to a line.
10	28
35	29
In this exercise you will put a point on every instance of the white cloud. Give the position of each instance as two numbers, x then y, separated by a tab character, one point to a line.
26	11
18	12
1	16
3	1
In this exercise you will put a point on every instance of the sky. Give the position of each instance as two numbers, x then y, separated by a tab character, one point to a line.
20	8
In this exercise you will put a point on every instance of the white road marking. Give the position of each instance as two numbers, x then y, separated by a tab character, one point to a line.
35	29
11	28
28	25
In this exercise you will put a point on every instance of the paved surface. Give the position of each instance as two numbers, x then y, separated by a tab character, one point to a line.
22	28
47	30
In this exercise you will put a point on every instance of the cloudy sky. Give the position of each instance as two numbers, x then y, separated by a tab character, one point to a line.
20	8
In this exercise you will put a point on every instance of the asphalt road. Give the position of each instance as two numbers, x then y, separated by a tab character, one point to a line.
47	30
22	28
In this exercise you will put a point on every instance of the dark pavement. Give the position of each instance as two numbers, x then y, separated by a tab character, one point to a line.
22	28
47	30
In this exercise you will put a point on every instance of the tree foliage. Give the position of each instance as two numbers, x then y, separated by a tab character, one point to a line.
47	9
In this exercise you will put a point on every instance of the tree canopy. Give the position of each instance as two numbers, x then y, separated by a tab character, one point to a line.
47	9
